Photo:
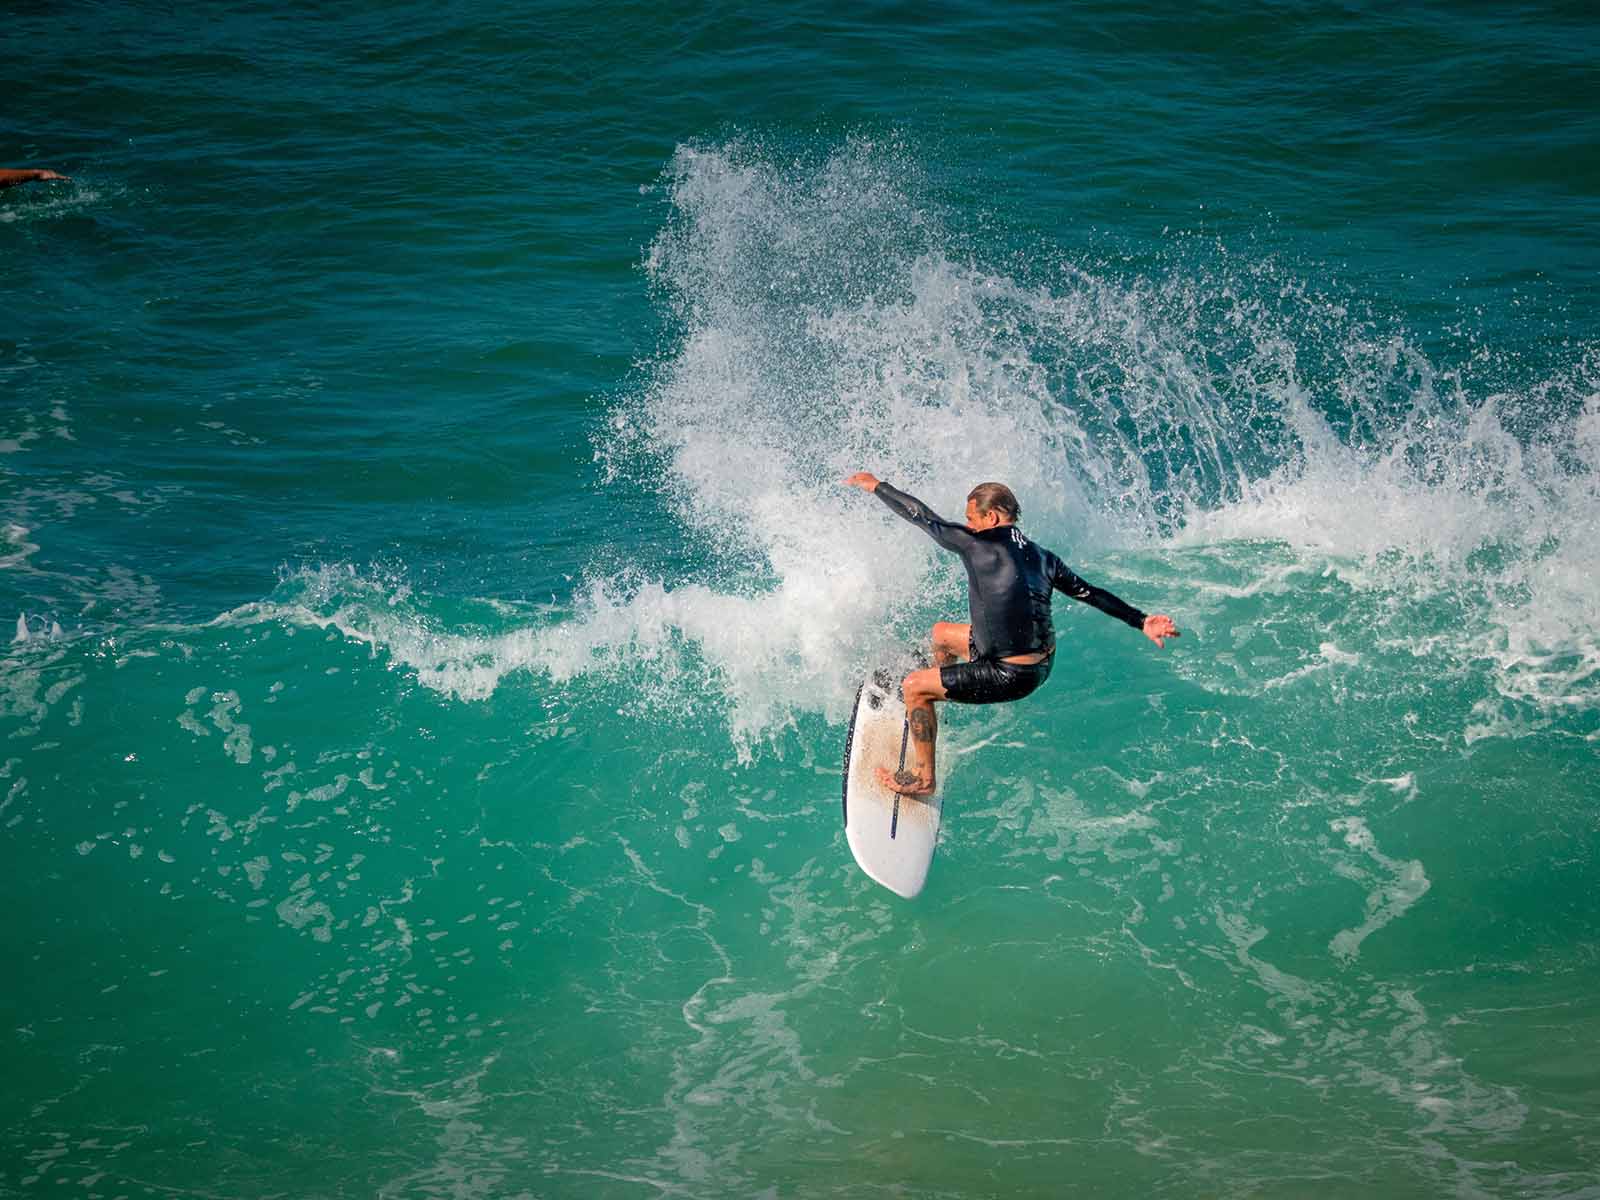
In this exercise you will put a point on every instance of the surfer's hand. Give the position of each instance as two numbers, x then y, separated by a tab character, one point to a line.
864	480
1158	628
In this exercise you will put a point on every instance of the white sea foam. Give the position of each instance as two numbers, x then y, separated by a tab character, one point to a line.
828	327
1459	512
825	324
1396	886
53	201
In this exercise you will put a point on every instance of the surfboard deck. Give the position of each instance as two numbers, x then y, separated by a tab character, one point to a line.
893	837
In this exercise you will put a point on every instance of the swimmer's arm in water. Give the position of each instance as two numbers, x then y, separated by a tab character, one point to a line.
11	176
947	533
1155	626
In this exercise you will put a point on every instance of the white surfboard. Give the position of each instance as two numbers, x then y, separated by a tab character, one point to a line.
893	837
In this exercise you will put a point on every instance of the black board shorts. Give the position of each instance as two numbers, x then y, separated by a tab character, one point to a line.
991	681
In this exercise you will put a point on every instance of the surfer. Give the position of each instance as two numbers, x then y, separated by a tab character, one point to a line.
1010	642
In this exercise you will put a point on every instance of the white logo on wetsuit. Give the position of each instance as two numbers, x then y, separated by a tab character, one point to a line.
1016	536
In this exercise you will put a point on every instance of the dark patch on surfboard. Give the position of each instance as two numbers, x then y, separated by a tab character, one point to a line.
894	817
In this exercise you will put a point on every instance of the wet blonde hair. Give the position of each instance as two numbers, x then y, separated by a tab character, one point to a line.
991	496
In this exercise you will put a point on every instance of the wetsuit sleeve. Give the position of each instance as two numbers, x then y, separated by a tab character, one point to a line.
1063	580
949	535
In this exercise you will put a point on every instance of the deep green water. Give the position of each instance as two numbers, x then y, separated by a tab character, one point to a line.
436	610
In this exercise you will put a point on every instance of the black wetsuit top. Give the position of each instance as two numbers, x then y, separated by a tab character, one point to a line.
1009	581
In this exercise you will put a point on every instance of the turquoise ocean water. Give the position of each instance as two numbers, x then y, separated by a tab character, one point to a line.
430	609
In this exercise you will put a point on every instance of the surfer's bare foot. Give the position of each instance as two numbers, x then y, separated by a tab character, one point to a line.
905	783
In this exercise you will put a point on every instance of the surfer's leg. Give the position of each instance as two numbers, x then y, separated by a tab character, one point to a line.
921	689
950	642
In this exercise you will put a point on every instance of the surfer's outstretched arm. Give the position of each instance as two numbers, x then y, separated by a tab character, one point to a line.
906	506
1155	626
11	176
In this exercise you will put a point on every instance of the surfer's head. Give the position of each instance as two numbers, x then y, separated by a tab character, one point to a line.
991	504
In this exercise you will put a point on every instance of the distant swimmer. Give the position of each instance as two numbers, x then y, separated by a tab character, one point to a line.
1010	642
11	176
